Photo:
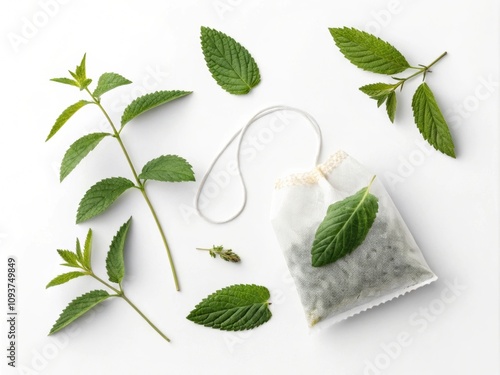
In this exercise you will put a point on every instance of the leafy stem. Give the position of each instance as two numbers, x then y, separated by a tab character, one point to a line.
140	186
115	266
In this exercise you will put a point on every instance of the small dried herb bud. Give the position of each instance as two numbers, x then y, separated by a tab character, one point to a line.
228	255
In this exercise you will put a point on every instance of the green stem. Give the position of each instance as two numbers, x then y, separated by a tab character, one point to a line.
144	317
120	293
141	187
422	70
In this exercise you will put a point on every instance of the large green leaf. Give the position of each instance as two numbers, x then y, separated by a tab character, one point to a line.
78	307
78	150
100	196
344	227
368	52
430	121
231	65
115	263
168	168
234	308
150	101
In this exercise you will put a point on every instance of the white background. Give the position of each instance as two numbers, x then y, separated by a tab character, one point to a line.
451	206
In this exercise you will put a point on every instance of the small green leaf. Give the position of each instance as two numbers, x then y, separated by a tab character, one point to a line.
231	65
78	307
69	257
79	251
65	116
430	121
78	150
109	81
344	228
64	278
87	251
66	81
391	106
234	308
150	101
168	168
368	52
81	70
378	90
100	196
115	263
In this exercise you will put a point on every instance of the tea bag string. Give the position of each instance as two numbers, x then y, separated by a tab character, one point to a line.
241	133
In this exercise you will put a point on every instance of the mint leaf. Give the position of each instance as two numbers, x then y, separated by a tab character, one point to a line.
430	121
64	278
109	81
150	101
368	52
234	308
66	81
87	252
168	168
391	106
378	90
70	258
65	116
231	65
78	150
115	264
100	196
79	251
344	227
78	307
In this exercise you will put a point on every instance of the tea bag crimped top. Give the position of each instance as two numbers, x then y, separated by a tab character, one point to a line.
387	264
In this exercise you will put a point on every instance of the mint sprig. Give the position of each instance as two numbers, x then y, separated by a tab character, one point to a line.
103	194
371	53
115	266
232	66
345	227
234	308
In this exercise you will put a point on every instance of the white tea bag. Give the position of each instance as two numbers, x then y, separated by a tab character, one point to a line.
386	265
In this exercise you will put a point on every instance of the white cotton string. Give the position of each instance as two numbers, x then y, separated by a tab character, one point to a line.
241	133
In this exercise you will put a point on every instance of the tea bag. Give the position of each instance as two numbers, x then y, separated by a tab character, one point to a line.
387	264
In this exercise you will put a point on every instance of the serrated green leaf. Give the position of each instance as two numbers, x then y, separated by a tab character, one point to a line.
81	70
100	196
64	278
87	251
115	263
344	227
150	101
168	168
377	90
69	257
231	65
109	81
234	308
65	116
78	307
430	121
368	52
66	81
78	150
391	105
79	251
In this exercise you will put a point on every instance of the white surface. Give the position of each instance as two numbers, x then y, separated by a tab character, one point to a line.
451	206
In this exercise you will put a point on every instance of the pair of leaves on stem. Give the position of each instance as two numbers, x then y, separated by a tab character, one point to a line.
345	227
166	168
372	54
